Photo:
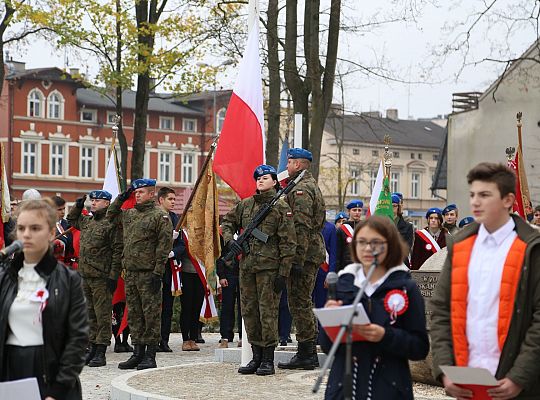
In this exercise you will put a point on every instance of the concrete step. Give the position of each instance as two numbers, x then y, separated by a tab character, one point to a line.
233	355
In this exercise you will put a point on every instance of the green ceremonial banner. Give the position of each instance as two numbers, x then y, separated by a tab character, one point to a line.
384	205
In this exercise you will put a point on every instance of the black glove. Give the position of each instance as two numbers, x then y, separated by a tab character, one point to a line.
296	270
125	195
280	282
111	284
234	247
155	283
79	203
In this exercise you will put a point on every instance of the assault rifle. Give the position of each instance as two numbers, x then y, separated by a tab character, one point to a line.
240	245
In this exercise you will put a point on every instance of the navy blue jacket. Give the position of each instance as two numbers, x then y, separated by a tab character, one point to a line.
405	340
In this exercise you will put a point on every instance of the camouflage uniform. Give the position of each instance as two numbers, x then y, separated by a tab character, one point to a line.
265	261
147	242
307	204
100	259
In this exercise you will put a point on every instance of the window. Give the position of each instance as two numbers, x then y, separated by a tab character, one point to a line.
55	105
220	119
419	156
57	159
165	167
87	162
412	156
372	179
110	117
375	153
35	103
188	162
88	115
415	185
435	157
166	123
355	184
189	125
394	182
355	152
29	158
396	154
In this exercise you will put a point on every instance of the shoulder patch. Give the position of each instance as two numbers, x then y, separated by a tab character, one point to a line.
299	192
289	214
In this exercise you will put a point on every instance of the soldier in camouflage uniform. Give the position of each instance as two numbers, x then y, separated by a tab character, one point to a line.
99	264
307	204
147	243
264	270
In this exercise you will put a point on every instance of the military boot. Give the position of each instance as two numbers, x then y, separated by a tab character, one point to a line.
303	359
267	364
255	363
99	359
149	360
90	353
135	359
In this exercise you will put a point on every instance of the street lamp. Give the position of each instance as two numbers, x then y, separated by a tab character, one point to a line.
228	61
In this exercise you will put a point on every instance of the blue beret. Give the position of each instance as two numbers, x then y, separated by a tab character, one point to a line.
100	194
395	199
143	182
466	221
356	203
299	153
434	210
340	215
448	208
264	170
399	195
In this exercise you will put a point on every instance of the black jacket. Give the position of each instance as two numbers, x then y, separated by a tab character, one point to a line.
343	244
404	340
65	324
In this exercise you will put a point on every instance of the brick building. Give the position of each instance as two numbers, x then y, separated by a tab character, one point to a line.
58	134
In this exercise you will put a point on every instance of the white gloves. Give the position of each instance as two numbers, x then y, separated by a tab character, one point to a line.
175	234
171	254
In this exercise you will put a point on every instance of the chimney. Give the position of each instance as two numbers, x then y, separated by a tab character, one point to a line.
17	66
74	72
371	114
392	113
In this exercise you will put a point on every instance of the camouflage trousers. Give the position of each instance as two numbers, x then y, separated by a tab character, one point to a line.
99	306
299	290
144	308
260	307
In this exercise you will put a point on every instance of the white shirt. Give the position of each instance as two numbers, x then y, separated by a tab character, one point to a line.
485	273
24	318
360	277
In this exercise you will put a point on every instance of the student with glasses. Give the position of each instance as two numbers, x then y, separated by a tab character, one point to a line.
397	331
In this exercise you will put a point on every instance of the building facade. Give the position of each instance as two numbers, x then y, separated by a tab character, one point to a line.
359	139
58	134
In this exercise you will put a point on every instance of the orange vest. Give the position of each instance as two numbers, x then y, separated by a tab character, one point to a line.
460	289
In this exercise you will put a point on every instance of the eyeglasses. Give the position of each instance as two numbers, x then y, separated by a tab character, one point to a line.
374	244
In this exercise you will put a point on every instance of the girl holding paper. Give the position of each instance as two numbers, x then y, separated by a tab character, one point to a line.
43	319
397	332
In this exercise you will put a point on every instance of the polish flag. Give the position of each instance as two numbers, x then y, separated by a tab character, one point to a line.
241	143
377	188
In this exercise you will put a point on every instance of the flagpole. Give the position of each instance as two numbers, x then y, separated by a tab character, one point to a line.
519	125
197	183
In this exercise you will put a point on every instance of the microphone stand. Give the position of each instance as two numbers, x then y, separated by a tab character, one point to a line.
347	327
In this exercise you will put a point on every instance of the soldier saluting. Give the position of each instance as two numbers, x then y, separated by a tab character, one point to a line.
99	264
147	243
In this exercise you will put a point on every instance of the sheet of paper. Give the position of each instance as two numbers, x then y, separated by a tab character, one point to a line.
469	376
338	316
26	389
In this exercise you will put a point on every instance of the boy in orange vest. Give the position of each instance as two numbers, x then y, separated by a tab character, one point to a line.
486	307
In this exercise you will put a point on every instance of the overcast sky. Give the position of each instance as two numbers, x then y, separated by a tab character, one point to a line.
402	50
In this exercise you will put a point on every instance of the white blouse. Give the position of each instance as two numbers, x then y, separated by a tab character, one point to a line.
24	318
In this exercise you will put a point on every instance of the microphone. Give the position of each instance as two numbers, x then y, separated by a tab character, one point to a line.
331	280
13	248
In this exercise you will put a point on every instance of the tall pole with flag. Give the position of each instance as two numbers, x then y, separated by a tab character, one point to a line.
522	204
5	207
381	198
241	143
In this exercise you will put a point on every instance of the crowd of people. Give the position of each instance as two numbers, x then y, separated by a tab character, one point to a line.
59	304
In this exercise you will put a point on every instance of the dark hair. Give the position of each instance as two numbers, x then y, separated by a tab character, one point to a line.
537	208
397	250
497	173
164	191
58	201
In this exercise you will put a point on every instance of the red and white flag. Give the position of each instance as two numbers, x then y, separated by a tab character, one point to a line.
241	143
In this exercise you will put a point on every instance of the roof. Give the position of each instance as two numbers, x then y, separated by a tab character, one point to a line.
369	129
44	74
93	98
207	95
441	171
